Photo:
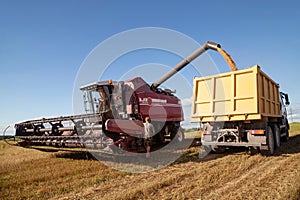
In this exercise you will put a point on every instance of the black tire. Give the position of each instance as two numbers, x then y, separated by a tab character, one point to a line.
178	134
286	130
287	135
276	132
270	143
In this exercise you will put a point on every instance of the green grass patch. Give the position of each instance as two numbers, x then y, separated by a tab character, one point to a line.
194	134
294	127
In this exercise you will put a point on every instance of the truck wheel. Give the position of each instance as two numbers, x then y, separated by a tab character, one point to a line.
287	135
276	132
270	143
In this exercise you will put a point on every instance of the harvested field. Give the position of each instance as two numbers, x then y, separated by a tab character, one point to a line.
32	174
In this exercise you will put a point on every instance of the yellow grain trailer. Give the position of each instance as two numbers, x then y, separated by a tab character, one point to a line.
240	108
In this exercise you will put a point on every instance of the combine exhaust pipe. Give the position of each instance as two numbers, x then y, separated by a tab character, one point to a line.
186	61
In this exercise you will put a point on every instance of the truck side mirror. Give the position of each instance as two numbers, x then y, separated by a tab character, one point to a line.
287	102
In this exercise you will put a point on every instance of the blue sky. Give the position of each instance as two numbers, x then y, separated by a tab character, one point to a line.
43	43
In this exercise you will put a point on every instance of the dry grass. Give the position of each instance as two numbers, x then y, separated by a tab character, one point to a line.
32	174
28	173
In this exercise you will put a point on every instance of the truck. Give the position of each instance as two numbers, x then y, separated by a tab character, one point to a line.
241	108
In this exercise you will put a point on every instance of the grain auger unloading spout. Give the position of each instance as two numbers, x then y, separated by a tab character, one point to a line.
194	55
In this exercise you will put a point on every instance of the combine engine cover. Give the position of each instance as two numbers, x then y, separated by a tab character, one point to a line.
160	105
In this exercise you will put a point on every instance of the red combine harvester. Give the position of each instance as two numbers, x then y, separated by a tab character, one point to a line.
115	111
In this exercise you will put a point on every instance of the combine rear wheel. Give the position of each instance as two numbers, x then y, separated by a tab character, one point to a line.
177	134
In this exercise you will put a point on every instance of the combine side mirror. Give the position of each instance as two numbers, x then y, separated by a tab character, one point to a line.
287	102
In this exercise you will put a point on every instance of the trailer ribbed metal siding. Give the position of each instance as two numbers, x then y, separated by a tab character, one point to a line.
247	94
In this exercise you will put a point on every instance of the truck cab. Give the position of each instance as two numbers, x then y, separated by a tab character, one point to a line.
284	129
